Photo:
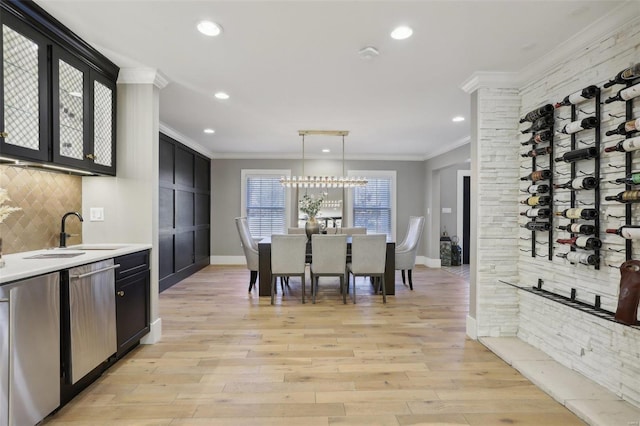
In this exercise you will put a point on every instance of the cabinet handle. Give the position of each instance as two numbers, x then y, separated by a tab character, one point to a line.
4	134
91	156
120	293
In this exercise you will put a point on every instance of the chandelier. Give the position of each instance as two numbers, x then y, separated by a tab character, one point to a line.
322	181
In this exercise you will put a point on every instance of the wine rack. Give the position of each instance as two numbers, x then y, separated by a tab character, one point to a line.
548	153
627	169
582	107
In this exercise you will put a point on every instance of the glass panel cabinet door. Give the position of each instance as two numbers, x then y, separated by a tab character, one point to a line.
103	153
24	88
70	106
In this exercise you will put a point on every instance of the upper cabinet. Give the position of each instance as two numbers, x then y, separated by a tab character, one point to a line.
59	94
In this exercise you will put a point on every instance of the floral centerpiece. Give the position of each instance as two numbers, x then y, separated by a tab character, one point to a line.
5	211
310	205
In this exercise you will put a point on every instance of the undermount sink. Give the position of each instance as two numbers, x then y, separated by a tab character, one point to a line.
92	247
54	255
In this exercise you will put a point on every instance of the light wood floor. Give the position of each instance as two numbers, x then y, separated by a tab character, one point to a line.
230	358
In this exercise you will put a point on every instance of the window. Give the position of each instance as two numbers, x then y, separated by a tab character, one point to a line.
265	202
373	205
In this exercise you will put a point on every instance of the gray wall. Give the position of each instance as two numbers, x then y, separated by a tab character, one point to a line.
449	199
226	187
433	189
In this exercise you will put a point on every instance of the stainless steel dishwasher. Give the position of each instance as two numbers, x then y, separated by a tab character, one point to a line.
29	349
90	318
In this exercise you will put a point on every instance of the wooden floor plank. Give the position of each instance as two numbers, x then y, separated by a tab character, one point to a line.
228	357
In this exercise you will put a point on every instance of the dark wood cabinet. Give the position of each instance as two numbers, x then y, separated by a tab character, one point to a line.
184	213
133	280
59	94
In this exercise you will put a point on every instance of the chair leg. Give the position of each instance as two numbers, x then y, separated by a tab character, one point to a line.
343	290
384	288
252	279
303	286
354	289
273	287
410	281
403	279
314	289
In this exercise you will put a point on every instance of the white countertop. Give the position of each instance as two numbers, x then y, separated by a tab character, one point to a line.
17	267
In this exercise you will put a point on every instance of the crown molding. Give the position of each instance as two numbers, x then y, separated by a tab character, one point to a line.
298	157
451	147
185	140
491	79
600	29
143	76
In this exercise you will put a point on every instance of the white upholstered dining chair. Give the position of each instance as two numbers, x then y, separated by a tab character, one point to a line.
288	253
250	248
407	249
328	258
368	255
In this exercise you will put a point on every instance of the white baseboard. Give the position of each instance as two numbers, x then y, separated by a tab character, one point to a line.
429	262
155	333
472	328
228	260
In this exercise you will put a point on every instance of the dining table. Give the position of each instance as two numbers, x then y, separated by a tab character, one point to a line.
264	265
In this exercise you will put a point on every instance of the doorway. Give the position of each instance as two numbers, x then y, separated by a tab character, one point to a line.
464	212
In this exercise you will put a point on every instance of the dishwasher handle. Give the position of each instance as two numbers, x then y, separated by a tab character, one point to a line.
88	274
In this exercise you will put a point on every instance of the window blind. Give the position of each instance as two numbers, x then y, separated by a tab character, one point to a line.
372	206
265	205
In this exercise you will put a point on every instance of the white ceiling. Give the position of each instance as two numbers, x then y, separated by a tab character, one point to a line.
291	65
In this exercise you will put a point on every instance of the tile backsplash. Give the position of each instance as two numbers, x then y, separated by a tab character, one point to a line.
44	198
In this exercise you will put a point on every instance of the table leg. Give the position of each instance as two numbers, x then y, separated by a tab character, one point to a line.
264	269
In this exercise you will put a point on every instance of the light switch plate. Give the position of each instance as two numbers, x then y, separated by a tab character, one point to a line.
96	214
446	210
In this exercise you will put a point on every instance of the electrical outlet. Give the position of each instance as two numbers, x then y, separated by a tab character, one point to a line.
96	214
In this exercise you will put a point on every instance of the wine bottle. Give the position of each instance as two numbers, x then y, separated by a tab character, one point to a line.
630	126
625	145
582	258
537	152
630	232
537	113
579	213
538	189
544	122
538	175
587	243
537	200
539	137
578	154
537	226
587	182
630	179
579	96
576	126
625	75
625	197
578	228
625	94
540	213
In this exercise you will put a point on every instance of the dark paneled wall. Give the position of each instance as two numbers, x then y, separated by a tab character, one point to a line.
185	217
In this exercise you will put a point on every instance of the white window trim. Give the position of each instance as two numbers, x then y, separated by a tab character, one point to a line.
373	174
265	173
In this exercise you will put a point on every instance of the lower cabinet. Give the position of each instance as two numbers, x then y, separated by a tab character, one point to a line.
133	280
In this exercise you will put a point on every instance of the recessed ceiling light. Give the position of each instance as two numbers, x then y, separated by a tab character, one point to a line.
326	150
457	119
221	95
401	33
209	28
209	131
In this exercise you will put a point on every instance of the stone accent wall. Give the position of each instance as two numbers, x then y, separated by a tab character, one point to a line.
603	351
44	197
497	227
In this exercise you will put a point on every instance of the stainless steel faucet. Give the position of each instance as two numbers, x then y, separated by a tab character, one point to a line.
63	234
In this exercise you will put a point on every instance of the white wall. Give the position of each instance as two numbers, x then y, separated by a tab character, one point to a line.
604	351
